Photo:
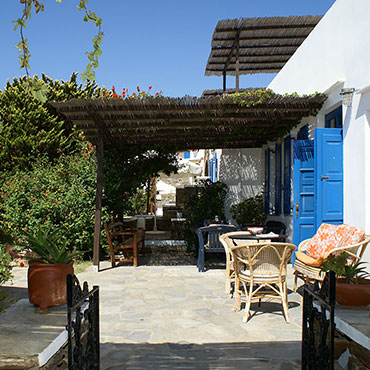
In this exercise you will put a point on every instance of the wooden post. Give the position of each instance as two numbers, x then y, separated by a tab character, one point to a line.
237	63
224	81
99	189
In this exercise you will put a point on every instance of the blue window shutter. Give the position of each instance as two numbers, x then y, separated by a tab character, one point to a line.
216	164
267	180
278	179
186	155
334	119
287	175
210	166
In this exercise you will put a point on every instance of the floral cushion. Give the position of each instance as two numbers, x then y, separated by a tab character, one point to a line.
329	237
349	235
324	239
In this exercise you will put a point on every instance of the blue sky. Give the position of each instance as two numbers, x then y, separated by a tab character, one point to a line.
164	43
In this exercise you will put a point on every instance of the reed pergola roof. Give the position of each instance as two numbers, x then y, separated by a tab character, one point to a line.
189	122
256	45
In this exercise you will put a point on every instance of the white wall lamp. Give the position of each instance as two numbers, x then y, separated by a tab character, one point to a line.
347	95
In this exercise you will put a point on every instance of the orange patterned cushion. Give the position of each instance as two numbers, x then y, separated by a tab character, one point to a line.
329	237
349	235
324	239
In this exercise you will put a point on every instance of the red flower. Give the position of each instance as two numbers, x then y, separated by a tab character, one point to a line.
157	93
21	264
138	88
143	92
150	87
113	88
133	93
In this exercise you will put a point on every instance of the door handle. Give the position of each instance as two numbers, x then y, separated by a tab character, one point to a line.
297	209
324	177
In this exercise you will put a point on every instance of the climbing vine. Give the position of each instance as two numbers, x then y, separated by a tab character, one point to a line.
22	46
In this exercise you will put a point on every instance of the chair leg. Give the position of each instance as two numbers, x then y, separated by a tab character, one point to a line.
200	263
284	299
249	300
112	258
295	281
135	255
237	295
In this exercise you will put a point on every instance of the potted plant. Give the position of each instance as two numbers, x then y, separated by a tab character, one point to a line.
352	285
49	265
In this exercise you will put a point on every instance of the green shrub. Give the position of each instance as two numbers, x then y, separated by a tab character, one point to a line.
5	267
30	128
207	202
249	212
56	196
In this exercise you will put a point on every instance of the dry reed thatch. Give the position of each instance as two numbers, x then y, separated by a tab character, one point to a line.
189	122
264	44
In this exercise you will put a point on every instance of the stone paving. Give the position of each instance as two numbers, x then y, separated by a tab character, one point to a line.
173	317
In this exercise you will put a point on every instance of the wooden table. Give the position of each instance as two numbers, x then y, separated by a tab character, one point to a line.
258	237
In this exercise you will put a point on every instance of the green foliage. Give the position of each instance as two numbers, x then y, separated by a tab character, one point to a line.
5	267
47	247
207	202
344	267
57	195
89	16
29	127
249	212
251	98
127	169
138	203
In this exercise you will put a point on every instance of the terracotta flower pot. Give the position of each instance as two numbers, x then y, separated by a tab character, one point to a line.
47	283
353	294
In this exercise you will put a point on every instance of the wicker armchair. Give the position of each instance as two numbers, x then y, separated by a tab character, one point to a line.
260	272
228	242
311	274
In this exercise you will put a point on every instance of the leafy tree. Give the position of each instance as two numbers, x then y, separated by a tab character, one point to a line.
206	204
30	127
127	168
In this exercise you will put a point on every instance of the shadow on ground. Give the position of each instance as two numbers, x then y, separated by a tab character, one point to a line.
253	356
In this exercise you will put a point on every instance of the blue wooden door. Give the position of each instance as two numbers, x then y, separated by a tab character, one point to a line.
328	176
303	189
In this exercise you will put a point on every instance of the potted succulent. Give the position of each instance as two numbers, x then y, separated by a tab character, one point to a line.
49	265
352	285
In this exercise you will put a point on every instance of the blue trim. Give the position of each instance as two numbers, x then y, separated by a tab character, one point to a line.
287	175
278	184
334	119
267	180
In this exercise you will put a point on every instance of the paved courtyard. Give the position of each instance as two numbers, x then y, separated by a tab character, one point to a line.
173	317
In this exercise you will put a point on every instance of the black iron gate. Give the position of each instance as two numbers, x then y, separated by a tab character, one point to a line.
82	326
318	325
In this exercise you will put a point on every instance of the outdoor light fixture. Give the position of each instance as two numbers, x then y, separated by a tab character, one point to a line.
347	94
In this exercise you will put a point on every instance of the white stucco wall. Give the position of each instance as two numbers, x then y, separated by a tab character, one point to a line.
243	171
338	50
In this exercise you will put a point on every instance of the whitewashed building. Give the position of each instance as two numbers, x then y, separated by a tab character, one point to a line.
320	172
